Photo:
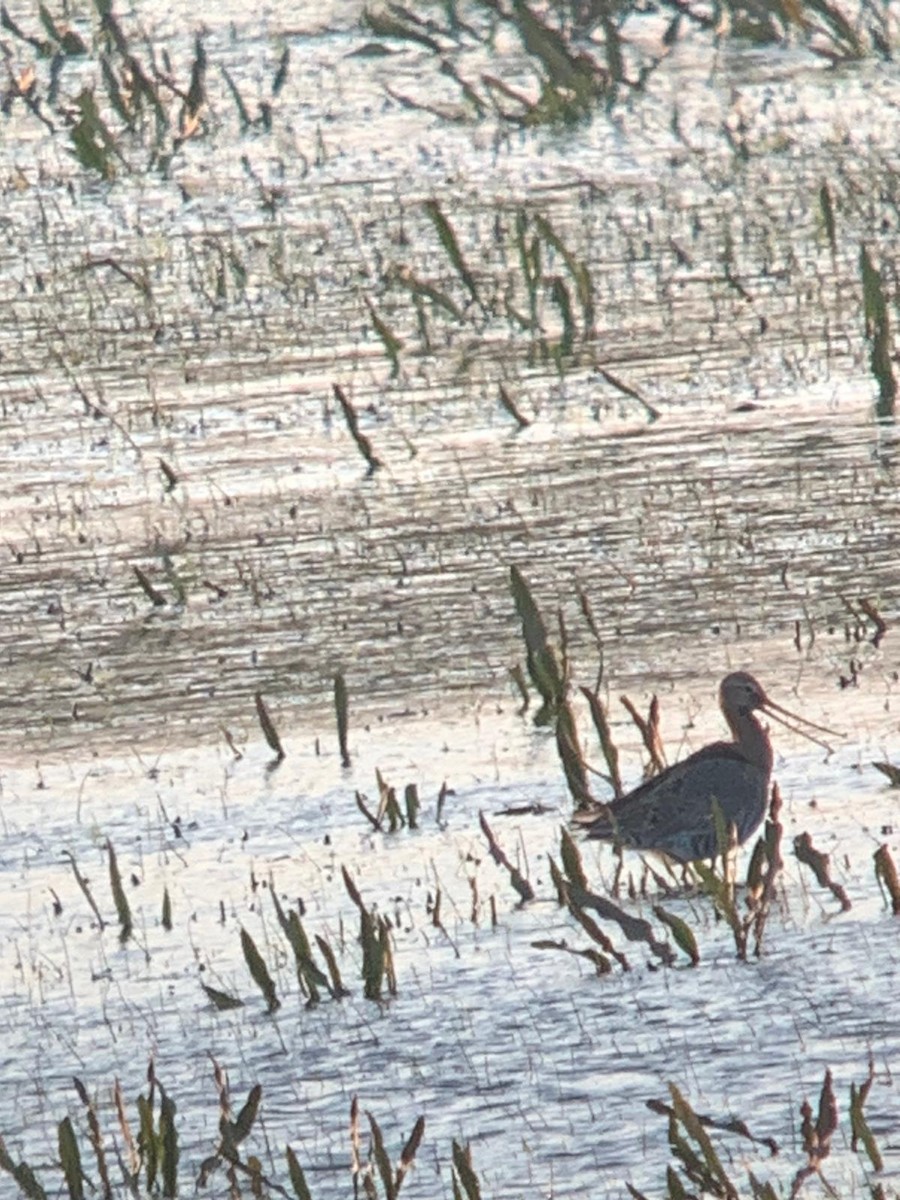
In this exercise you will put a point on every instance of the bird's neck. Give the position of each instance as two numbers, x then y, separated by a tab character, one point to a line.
752	740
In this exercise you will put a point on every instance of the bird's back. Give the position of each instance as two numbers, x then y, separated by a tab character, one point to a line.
673	812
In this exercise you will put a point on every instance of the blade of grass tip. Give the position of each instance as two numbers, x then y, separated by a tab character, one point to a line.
196	96
148	1141
355	1160
362	442
518	881
572	757
543	665
826	207
85	890
421	289
341	709
134	1160
818	863
269	731
166	917
387	954
390	341
858	1123
244	117
70	1159
867	607
221	1000
308	973
296	1176
382	1162
578	270
570	856
373	956
352	890
827	1118
155	597
649	738
449	241
877	329
337	984
393	811
559	882
220	1079
762	1190
509	405
886	874
443	793
245	1119
373	819
408	1153
560	295
681	932
607	745
282	916
384	795
462	1164
411	802
281	73
259	972
169	474
96	1138
653	414
123	908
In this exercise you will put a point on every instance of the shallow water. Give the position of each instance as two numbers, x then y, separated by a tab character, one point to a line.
740	529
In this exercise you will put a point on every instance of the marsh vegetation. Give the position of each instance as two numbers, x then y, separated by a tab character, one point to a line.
408	416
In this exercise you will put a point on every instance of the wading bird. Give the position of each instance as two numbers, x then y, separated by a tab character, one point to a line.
673	813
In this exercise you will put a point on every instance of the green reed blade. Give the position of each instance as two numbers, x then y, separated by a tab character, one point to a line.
96	1138
382	1162
245	1119
449	241
570	856
268	727
259	971
408	1153
123	909
70	1159
168	1139
362	442
337	984
390	341
221	1000
462	1165
681	932
341	708
297	1178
